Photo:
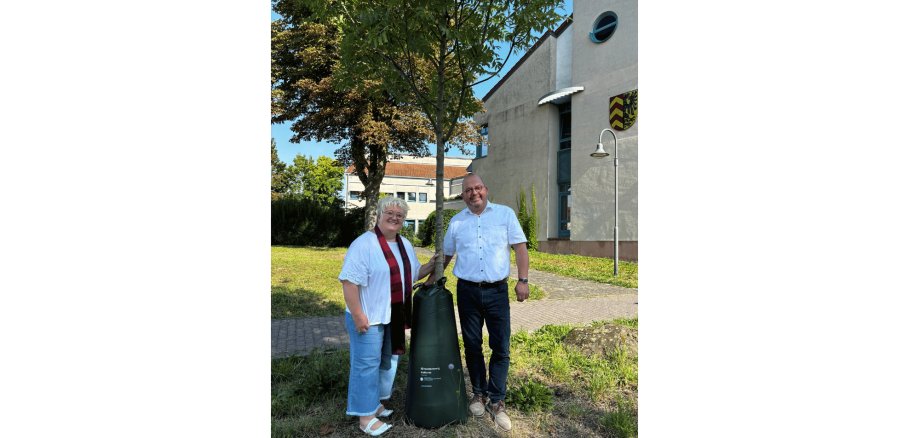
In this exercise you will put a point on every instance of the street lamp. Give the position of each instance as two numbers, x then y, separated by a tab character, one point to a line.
601	153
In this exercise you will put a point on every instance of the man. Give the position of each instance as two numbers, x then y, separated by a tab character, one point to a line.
479	236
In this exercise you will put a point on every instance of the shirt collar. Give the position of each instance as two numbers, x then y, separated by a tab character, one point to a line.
488	207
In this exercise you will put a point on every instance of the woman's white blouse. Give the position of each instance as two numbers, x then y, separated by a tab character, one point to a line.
366	267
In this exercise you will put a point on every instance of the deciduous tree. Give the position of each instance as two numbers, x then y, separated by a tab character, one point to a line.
432	53
373	126
319	180
279	176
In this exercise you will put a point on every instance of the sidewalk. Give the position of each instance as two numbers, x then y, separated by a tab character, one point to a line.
568	301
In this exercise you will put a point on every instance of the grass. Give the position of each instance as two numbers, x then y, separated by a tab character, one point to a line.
305	282
553	390
597	269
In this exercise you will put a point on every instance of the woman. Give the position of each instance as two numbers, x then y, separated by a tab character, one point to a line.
380	267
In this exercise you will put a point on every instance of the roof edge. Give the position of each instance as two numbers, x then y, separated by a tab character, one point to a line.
562	27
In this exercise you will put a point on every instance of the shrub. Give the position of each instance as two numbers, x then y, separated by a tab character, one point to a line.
426	231
409	233
352	226
297	220
529	219
621	423
529	396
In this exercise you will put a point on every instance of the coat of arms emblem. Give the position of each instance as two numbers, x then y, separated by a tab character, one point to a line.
624	108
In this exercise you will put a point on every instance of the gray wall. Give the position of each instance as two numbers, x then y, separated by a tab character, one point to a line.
524	137
605	70
520	133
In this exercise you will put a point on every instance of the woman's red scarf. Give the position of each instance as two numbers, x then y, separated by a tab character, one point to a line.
401	315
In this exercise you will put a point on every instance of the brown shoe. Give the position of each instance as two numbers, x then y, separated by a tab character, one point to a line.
500	416
478	405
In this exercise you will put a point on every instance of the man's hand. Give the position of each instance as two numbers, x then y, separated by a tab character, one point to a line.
522	290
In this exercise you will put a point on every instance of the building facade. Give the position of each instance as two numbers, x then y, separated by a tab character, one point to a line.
541	123
412	179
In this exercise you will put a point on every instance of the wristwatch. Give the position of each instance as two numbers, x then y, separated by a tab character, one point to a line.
522	280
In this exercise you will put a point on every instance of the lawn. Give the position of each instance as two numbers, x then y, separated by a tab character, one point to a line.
597	269
554	389
305	282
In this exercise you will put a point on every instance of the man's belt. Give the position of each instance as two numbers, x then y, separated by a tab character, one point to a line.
483	284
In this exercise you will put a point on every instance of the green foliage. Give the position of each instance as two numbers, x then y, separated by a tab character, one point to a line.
370	124
426	231
529	396
529	219
409	233
298	220
280	184
318	180
429	54
534	221
621	423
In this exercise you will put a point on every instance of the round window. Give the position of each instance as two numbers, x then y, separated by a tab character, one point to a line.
604	27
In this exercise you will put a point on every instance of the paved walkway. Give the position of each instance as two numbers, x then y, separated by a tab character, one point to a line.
568	301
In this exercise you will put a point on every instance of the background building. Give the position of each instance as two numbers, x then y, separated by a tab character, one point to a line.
413	179
542	121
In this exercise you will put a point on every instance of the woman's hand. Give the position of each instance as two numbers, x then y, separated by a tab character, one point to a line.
428	268
361	322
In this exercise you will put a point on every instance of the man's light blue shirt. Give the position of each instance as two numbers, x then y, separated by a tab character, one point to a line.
481	243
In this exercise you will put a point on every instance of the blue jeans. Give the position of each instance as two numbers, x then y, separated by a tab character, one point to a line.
368	382
490	304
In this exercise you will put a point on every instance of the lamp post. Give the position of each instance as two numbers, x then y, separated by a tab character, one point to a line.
601	153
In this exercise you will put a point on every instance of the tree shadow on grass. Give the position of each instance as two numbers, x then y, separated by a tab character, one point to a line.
312	248
290	302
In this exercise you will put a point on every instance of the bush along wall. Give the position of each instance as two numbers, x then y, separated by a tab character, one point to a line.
299	221
426	231
529	219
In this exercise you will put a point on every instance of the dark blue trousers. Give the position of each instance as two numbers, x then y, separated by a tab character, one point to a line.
487	304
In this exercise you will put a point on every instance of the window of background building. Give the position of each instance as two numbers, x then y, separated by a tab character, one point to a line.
482	149
422	197
354	196
564	168
565	209
604	27
401	195
411	197
565	126
409	223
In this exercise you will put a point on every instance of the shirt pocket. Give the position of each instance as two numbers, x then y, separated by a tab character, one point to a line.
495	236
468	235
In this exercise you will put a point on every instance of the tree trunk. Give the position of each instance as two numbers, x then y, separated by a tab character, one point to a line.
370	165
370	206
439	206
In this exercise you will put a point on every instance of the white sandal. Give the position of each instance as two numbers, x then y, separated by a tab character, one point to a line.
380	430
385	413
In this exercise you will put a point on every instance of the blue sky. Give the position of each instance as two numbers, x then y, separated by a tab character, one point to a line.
282	132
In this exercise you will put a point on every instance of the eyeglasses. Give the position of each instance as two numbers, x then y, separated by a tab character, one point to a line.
470	190
395	214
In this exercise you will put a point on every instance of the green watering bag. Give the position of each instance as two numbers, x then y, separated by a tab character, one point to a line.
436	395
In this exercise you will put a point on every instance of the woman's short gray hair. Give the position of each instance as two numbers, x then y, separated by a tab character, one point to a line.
390	201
